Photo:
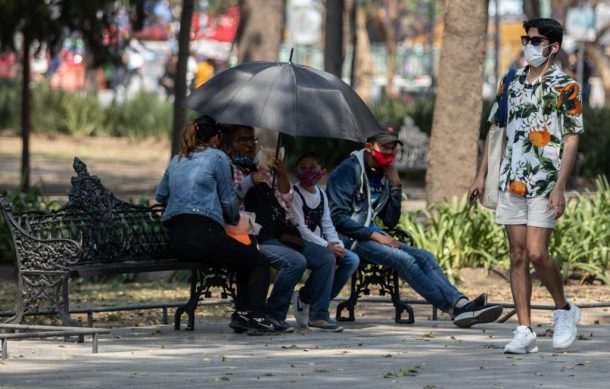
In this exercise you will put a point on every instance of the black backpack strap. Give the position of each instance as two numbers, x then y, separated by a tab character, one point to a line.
503	108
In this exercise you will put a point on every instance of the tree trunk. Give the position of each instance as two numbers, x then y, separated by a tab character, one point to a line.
362	69
452	156
595	51
602	65
348	25
333	37
25	111
388	20
180	83
531	9
258	38
260	30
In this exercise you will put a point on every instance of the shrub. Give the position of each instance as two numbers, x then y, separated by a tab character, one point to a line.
9	103
144	115
594	142
462	237
56	111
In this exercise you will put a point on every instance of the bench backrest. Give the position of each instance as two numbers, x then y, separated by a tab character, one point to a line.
108	229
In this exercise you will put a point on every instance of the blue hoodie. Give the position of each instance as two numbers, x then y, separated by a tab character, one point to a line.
349	198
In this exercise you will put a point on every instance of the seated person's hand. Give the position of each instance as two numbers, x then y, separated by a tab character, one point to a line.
385	240
279	166
337	249
259	176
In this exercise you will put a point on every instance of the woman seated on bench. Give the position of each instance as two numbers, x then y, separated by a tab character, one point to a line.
199	197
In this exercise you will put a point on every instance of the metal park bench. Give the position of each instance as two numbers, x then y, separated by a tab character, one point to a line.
95	234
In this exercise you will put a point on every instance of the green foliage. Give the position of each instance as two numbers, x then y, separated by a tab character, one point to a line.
9	103
48	22
594	142
391	112
33	200
460	237
56	111
144	115
581	240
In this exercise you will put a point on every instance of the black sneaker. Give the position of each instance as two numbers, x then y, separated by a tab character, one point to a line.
473	313
239	322
260	326
480	301
281	326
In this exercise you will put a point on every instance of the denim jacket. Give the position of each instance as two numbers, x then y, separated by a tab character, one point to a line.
349	198
201	185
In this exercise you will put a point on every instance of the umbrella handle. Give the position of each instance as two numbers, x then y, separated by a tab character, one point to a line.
277	153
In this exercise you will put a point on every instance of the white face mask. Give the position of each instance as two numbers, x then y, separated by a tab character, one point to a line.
533	54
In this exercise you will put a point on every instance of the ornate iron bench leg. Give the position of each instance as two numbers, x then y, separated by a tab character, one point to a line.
64	310
181	309
188	306
349	304
399	305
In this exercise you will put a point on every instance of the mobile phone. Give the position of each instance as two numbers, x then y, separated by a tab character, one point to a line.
281	153
473	199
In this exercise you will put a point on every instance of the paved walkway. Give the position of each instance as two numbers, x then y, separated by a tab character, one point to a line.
369	354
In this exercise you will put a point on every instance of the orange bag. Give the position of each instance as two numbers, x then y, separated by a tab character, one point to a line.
240	232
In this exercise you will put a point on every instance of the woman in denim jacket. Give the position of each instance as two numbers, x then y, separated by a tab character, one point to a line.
199	198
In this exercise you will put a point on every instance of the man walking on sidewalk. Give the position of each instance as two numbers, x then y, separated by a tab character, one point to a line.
544	121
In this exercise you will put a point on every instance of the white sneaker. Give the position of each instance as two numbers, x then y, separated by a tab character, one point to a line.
524	342
300	310
564	333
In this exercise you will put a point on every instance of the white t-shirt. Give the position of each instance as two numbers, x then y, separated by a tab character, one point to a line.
328	233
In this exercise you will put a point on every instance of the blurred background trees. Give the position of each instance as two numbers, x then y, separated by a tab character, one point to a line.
121	68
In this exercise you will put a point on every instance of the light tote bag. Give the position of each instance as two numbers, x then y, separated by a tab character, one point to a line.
495	148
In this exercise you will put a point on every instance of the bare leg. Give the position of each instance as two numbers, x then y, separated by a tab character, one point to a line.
520	281
546	268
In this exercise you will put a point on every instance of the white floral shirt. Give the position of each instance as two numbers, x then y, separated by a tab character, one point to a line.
539	116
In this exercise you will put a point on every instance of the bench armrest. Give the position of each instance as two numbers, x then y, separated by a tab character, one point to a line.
40	254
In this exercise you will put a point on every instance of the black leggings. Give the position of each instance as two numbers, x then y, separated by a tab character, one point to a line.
197	238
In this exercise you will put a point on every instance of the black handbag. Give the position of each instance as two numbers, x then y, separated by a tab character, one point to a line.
271	216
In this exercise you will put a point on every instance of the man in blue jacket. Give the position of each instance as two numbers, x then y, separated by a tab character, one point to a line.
366	186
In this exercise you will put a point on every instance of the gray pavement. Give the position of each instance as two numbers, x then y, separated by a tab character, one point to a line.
369	353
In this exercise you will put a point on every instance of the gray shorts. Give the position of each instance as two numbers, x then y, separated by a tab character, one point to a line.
534	212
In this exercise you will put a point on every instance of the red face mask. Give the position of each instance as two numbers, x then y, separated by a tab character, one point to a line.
382	159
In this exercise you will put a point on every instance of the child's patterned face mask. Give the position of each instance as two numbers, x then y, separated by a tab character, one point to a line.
309	176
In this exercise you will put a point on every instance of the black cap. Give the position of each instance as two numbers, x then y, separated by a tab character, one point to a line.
384	137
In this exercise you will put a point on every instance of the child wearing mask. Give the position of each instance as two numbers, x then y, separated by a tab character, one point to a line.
312	217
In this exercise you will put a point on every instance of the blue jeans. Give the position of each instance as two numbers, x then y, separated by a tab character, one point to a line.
416	266
291	265
346	266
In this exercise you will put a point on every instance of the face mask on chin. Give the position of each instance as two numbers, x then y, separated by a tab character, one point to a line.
382	159
533	55
242	159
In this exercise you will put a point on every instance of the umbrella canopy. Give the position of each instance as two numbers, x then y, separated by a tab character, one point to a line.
286	97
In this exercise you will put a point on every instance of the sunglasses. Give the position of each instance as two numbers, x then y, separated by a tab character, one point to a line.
534	40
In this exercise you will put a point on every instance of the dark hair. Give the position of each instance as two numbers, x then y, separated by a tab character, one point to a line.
199	132
311	155
229	132
549	28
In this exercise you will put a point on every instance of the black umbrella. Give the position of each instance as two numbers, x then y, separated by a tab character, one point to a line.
282	96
